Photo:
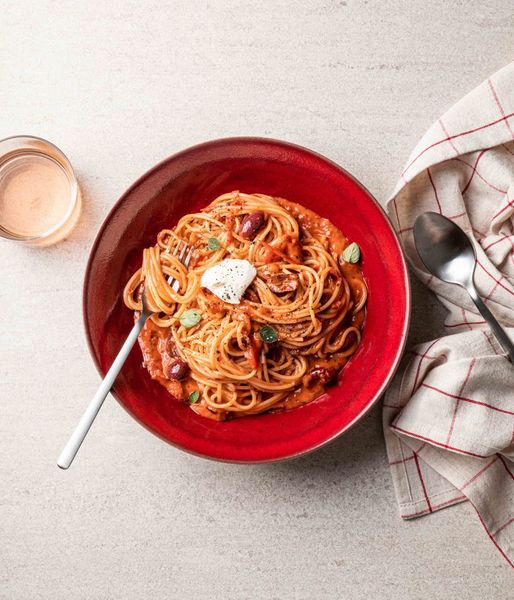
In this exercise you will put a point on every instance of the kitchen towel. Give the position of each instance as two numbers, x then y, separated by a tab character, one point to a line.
449	413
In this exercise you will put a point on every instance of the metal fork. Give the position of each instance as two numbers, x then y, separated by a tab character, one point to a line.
77	437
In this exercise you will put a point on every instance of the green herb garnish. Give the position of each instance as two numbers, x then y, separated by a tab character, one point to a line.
268	334
190	318
213	244
194	397
352	253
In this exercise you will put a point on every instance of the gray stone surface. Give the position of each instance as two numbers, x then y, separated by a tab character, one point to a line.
120	85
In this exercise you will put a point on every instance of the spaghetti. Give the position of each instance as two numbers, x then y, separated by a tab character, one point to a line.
296	326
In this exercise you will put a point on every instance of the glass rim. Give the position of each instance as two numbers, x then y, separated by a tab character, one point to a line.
74	189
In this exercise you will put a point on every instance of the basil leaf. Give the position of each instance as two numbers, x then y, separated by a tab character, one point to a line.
190	318
268	334
213	244
194	397
352	253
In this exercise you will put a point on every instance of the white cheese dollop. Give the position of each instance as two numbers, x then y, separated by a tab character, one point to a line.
229	279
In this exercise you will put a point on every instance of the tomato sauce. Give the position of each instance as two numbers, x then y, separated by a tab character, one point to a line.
157	347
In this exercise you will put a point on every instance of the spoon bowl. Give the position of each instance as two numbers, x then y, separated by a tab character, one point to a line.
444	248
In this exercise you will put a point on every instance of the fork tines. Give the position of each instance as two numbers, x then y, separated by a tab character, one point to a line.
184	253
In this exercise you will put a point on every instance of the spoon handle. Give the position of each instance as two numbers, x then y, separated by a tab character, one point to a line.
496	328
77	437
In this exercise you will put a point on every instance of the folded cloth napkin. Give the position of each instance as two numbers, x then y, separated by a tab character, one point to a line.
449	413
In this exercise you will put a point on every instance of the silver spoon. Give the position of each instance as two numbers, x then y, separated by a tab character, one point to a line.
447	253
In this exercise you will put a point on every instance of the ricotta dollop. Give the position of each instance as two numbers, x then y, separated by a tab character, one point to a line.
229	279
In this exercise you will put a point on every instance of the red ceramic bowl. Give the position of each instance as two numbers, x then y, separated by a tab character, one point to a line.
187	182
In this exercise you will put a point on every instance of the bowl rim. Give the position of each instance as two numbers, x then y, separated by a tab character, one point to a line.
259	140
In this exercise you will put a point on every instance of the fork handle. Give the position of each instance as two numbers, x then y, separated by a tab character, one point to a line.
77	437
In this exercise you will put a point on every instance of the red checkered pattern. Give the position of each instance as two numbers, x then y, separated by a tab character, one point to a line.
449	413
